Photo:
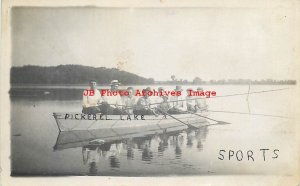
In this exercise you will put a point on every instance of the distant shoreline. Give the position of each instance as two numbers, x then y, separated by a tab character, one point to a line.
79	75
86	85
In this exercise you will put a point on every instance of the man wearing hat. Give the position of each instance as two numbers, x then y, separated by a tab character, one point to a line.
178	103
129	101
112	104
200	104
91	99
157	99
190	101
143	104
164	105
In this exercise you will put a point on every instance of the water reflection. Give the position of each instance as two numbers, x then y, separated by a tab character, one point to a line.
190	138
130	149
200	136
114	162
178	144
91	155
100	146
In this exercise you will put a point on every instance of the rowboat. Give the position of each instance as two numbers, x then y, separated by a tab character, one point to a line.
81	138
80	121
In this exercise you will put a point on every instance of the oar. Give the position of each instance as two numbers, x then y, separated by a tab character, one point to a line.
245	113
176	118
228	95
207	117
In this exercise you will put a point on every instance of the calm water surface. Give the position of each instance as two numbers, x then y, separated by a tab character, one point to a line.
39	149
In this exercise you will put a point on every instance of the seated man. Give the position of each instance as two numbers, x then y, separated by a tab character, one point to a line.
91	99
178	103
129	101
112	105
200	104
157	99
164	106
190	102
143	105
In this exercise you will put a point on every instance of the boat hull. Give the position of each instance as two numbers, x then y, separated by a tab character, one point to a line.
79	121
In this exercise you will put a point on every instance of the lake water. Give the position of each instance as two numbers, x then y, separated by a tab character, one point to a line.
37	147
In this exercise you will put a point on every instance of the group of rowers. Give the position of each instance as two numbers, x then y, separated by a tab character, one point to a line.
143	105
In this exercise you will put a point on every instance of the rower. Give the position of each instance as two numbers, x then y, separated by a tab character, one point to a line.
178	103
200	104
143	104
190	101
159	98
91	99
164	106
129	101
112	105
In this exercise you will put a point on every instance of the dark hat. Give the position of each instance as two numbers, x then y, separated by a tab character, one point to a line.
160	88
178	88
92	80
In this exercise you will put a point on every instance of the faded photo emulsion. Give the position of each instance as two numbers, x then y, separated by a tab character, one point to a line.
147	92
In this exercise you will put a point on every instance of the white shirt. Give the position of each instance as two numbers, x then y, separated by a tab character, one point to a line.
178	102
143	103
90	100
190	100
129	103
114	101
156	100
201	103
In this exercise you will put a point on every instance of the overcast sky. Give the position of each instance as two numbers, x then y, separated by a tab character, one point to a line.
212	43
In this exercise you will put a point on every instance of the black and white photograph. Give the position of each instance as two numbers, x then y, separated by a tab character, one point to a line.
153	91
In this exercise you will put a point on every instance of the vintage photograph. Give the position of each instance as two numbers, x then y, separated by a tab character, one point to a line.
148	92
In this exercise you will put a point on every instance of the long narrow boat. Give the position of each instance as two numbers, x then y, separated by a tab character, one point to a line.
80	138
79	121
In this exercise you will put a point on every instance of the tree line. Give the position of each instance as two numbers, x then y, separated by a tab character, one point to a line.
199	81
79	74
73	74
